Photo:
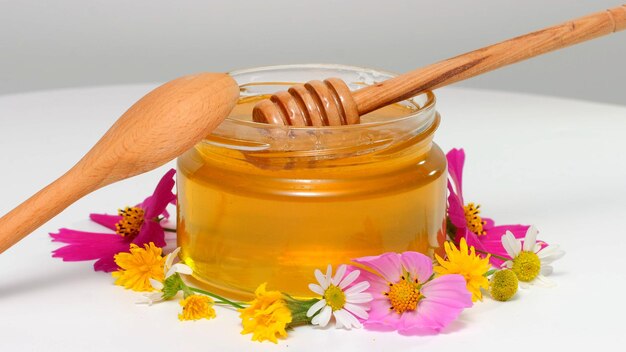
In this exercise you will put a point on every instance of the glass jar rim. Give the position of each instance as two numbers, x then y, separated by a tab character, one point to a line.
425	108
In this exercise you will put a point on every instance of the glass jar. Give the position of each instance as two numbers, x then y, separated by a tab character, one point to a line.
263	203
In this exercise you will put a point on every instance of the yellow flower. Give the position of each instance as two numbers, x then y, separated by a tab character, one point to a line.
138	266
266	317
465	262
197	307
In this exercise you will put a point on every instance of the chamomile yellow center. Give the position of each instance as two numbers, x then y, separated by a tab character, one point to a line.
474	222
130	224
335	298
526	266
503	285
403	295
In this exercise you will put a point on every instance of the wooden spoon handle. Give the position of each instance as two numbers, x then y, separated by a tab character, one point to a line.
489	58
41	207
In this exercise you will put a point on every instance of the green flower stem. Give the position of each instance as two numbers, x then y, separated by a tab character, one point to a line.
222	299
490	272
493	255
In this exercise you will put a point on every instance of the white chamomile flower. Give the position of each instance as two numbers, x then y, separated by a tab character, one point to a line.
346	305
531	263
169	268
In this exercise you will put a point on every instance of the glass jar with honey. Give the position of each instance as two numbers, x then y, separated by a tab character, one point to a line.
263	203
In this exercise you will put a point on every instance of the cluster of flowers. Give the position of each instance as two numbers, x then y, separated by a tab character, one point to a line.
405	292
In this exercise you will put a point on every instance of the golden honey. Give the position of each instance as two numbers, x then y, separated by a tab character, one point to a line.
260	203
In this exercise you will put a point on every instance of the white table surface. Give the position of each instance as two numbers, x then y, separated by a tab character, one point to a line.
558	164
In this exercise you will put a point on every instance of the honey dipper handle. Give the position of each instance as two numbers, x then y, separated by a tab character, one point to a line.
489	58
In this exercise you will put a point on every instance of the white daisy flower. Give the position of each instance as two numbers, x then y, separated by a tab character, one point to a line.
346	305
169	268
531	263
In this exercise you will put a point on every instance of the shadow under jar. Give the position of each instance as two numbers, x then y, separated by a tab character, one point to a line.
262	203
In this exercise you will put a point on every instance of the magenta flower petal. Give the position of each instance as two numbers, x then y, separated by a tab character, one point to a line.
456	212
418	265
150	231
388	265
155	204
456	160
106	220
89	246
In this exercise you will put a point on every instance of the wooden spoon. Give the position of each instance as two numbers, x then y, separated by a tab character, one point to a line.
159	127
330	103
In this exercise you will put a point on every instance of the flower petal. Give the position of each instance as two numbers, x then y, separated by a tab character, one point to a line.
353	275
346	319
512	245
530	239
357	310
381	317
341	271
317	289
169	260
156	284
358	288
388	265
316	307
150	232
359	298
543	281
445	298
321	279
418	265
549	254
456	161
323	317
89	246
179	268
155	204
546	270
106	220
329	275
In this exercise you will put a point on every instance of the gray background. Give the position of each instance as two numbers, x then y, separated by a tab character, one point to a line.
67	43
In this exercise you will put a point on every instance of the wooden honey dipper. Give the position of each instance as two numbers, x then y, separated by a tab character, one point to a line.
331	103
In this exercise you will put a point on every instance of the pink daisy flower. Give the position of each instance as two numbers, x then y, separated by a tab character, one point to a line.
407	299
467	223
137	225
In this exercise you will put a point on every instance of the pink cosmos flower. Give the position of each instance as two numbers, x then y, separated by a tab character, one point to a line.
137	225
478	232
407	299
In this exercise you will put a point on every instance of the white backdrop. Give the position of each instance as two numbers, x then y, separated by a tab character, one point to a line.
65	43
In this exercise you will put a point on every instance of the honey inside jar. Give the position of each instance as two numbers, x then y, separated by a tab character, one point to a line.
260	203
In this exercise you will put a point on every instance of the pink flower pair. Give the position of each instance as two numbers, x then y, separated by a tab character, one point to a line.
138	225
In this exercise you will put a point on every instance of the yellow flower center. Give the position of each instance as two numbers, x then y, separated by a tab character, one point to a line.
503	285
132	219
526	266
403	295
335	297
474	222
